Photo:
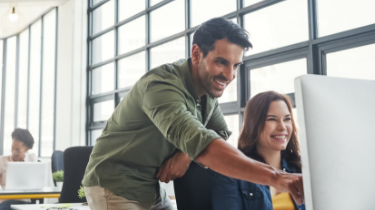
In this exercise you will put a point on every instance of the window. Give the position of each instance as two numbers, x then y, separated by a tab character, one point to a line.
355	63
284	34
346	15
29	88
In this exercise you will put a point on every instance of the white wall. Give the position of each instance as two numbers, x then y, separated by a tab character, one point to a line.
71	75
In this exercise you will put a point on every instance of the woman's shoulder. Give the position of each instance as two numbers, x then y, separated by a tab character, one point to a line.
221	180
31	157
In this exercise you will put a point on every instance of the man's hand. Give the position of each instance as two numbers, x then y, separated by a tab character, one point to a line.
291	183
174	167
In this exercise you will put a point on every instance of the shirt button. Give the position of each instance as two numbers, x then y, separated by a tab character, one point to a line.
283	169
251	194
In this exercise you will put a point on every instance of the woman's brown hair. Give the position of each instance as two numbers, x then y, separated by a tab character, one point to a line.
254	120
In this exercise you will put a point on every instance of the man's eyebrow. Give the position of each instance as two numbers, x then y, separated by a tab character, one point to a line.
222	59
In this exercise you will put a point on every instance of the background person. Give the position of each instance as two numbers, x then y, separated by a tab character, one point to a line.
268	135
22	142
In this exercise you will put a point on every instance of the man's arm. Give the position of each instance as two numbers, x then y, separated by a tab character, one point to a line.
219	156
174	167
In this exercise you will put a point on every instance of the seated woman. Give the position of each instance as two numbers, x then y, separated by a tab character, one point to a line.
269	135
22	142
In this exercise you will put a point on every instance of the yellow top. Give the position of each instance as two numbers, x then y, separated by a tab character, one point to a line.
282	201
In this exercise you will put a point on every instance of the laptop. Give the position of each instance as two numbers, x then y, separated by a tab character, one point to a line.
337	123
26	176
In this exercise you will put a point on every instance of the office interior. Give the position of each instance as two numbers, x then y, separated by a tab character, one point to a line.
66	64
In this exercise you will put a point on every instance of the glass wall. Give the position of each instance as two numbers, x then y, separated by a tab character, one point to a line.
28	82
290	38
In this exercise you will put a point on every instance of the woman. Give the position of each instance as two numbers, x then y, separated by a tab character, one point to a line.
269	135
22	142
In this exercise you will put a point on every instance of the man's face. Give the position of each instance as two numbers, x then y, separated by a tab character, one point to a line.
219	67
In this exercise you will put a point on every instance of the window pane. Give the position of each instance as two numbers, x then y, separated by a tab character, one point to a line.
95	135
10	93
230	92
168	52
96	1
34	91
167	20
103	79
346	15
130	69
132	35
48	90
103	17
250	2
103	48
278	25
278	77
203	10
23	79
128	8
356	63
153	2
1	71
103	110
232	122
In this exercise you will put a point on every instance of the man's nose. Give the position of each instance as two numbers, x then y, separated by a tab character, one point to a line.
229	73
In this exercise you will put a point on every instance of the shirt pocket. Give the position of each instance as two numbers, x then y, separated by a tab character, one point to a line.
254	199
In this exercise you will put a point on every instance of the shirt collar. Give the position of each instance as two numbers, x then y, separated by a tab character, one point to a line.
186	73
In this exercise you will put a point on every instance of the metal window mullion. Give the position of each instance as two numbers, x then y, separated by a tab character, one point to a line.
89	59
312	57
187	26
55	82
3	97
116	101
148	37
28	79
41	86
16	82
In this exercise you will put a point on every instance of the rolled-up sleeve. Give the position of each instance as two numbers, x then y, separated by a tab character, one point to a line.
166	106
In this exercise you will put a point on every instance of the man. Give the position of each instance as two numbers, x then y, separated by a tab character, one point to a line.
170	117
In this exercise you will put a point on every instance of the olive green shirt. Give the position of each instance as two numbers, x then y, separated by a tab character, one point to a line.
161	113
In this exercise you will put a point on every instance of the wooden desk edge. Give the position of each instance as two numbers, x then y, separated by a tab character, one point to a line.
30	196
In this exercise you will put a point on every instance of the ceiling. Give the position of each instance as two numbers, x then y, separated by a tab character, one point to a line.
27	10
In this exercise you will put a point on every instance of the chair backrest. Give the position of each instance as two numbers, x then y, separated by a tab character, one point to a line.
193	190
57	161
75	162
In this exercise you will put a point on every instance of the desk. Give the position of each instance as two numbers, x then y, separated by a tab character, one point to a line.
77	206
48	192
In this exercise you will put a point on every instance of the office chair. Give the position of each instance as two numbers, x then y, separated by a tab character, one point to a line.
193	190
75	162
57	162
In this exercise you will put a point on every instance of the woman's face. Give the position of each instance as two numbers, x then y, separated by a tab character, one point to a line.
18	150
277	129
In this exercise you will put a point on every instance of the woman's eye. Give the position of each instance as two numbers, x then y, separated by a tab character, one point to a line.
271	119
288	119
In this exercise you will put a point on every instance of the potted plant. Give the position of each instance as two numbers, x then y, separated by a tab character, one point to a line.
81	192
58	176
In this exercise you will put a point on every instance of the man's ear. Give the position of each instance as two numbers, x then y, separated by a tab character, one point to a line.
196	54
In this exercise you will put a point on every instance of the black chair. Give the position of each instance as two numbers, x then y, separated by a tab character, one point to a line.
57	161
75	162
193	190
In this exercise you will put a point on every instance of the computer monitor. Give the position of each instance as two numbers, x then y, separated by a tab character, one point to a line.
26	176
337	136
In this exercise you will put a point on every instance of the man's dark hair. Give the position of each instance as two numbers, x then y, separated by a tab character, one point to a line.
220	28
24	136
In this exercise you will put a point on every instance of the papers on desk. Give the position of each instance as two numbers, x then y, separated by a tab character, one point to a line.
78	206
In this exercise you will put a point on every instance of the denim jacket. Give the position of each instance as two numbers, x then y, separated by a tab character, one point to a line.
235	194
